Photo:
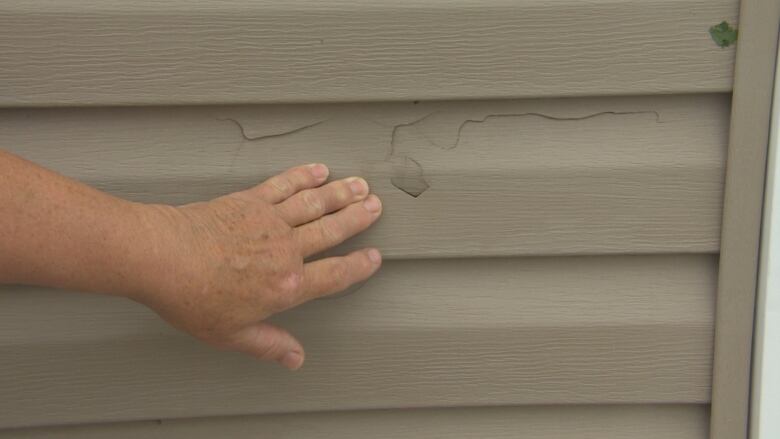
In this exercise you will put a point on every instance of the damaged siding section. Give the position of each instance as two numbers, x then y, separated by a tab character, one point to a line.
552	177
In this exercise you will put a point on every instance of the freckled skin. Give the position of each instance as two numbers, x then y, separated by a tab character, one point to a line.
214	269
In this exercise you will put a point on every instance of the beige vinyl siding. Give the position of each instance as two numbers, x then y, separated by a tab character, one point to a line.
422	334
609	175
552	174
112	52
553	422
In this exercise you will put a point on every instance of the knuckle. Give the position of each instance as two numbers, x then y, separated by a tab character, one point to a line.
342	192
290	282
300	177
265	348
329	231
285	291
339	272
279	184
312	202
306	175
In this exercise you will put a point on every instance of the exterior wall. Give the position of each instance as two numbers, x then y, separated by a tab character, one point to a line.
554	422
550	256
425	333
107	52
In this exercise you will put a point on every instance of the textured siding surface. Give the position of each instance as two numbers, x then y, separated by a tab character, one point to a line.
553	422
423	333
516	177
551	225
70	52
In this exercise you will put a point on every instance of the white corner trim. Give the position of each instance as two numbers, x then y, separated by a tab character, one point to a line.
765	398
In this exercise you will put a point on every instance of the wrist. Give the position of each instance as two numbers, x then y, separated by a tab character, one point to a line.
145	249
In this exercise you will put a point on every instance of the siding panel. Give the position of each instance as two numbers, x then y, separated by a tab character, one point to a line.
551	422
423	333
76	52
528	177
551	263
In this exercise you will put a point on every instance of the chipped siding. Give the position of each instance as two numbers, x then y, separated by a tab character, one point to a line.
552	210
409	175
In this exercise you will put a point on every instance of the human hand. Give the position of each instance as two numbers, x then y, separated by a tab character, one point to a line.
223	266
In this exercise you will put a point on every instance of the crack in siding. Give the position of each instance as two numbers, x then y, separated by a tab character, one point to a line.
391	150
263	137
409	176
548	117
270	136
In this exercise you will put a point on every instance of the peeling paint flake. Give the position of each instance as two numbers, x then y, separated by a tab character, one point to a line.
408	176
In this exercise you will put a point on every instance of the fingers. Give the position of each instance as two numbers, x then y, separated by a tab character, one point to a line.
333	229
280	187
310	204
332	275
269	342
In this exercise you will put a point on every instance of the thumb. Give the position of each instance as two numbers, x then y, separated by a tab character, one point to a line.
269	342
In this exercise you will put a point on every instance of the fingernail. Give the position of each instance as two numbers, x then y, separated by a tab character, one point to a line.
358	186
292	360
372	204
319	171
374	256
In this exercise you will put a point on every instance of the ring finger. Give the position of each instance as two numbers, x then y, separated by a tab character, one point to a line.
311	204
